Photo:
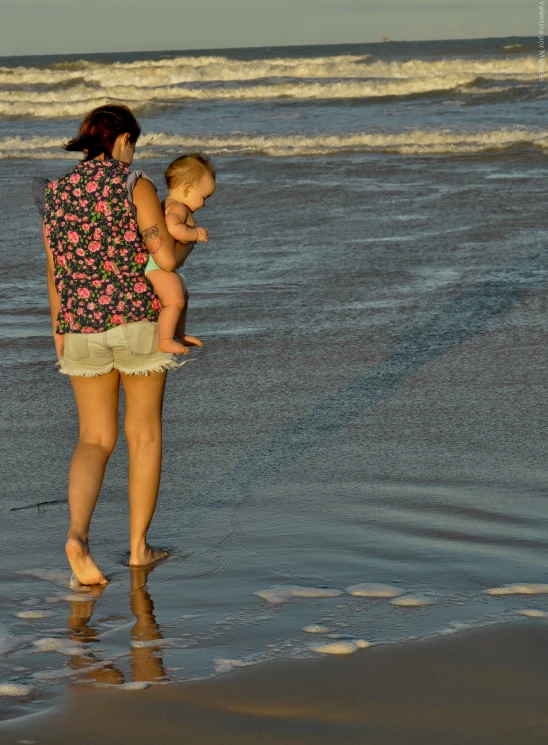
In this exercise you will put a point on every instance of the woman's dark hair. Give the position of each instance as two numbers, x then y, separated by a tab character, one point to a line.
101	127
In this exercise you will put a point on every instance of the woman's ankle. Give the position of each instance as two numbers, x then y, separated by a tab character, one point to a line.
78	535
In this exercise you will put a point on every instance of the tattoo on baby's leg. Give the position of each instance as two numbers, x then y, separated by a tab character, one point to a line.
153	239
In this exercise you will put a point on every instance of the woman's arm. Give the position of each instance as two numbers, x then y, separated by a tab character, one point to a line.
54	301
152	224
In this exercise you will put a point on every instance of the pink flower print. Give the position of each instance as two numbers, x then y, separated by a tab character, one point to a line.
129	235
87	330
73	236
69	255
110	289
80	312
80	252
74	178
108	266
94	246
101	206
67	317
110	253
86	226
64	196
104	300
83	202
105	191
116	319
116	180
90	306
97	283
77	192
91	186
140	287
83	292
61	260
98	316
59	212
156	304
97	234
121	305
141	258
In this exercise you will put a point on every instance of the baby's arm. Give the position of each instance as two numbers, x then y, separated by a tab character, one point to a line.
176	221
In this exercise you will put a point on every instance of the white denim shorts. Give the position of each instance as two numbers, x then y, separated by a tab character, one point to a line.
131	348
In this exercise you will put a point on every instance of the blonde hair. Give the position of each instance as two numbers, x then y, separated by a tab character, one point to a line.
188	169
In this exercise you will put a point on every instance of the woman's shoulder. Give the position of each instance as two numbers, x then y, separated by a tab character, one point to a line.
39	186
132	179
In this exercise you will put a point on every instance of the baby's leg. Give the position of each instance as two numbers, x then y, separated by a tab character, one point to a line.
180	331
169	288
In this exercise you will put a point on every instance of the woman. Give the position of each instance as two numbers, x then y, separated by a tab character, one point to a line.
104	317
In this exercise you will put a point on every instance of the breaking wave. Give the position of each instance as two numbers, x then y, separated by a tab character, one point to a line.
414	142
154	73
70	89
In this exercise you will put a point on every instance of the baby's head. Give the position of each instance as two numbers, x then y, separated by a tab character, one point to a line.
190	179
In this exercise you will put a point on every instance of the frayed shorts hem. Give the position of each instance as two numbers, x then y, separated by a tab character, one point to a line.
131	348
64	369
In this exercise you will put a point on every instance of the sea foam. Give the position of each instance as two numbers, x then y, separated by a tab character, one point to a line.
374	590
412	142
14	689
518	589
282	593
340	647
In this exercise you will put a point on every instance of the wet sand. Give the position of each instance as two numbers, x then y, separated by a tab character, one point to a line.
483	686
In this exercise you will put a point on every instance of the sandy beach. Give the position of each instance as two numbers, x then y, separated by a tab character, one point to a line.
484	686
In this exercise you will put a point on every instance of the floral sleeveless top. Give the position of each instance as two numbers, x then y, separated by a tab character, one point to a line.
98	252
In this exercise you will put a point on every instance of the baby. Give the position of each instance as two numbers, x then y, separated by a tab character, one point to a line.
190	181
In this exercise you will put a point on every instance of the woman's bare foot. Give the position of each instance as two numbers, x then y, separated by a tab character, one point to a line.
172	347
147	555
81	562
192	341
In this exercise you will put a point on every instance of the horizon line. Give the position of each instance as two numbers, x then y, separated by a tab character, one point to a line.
266	46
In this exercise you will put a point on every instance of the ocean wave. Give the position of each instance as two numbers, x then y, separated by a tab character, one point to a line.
179	70
78	100
414	142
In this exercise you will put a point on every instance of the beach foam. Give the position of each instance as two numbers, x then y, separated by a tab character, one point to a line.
283	593
533	613
14	689
412	142
32	614
517	589
62	646
316	628
412	601
58	578
340	647
374	590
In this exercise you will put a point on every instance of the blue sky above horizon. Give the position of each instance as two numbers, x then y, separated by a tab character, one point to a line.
87	26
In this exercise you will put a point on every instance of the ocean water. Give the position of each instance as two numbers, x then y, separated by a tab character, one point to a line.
357	455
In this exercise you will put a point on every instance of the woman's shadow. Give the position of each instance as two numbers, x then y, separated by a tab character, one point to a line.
146	661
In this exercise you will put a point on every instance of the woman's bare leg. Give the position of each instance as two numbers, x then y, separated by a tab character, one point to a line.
143	428
169	288
97	403
180	329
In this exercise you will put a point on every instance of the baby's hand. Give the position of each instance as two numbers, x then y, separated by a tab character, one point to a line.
203	236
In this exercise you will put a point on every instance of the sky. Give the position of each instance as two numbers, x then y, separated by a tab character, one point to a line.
84	26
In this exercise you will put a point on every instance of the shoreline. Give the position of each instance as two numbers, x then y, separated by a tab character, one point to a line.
481	686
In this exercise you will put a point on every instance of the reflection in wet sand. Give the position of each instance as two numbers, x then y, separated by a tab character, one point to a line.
146	661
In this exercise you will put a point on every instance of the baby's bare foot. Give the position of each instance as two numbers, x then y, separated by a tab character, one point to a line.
81	561
173	347
192	341
147	555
